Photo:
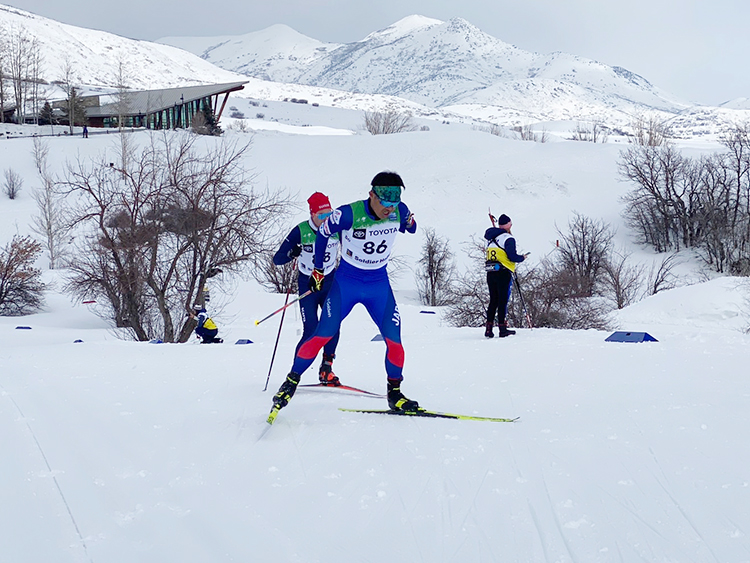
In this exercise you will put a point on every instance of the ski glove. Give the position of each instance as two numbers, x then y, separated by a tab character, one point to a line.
295	251
316	280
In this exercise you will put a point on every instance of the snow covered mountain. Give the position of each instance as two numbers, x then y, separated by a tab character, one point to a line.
439	70
442	64
94	55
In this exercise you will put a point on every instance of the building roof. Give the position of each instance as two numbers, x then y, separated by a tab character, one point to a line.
145	102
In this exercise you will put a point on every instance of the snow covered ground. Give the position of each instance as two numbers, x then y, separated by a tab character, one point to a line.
116	451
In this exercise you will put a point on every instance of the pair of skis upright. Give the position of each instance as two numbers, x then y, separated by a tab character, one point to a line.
418	413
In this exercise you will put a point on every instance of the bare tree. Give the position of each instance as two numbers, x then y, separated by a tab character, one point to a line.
158	229
19	45
67	81
435	270
650	131
665	207
583	253
49	223
13	183
3	72
21	290
622	280
388	122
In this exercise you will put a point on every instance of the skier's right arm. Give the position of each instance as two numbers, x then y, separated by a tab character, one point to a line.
290	248
342	219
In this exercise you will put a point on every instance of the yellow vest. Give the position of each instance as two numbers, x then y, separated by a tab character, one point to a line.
496	253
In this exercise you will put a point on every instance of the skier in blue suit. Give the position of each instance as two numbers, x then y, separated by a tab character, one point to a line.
368	229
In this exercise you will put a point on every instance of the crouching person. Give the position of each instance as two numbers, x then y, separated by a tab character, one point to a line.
206	329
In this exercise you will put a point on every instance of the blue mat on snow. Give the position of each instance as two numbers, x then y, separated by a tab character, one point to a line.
630	337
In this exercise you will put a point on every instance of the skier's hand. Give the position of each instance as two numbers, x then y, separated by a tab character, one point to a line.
410	221
295	251
316	280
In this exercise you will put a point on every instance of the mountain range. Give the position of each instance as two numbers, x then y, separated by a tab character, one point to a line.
418	64
434	63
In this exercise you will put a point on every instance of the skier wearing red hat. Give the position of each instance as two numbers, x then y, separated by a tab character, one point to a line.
300	244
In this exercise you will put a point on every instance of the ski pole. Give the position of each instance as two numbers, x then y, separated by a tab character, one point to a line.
308	292
523	303
278	334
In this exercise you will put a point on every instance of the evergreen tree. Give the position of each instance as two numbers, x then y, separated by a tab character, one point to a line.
76	108
46	115
212	126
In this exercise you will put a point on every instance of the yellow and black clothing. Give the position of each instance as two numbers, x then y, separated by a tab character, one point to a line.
501	260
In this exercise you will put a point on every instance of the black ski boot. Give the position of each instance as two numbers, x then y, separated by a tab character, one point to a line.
325	374
286	391
396	399
488	330
505	331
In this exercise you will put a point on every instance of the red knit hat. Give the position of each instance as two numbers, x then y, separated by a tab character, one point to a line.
318	202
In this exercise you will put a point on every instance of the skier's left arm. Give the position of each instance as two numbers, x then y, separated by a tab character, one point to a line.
408	223
510	250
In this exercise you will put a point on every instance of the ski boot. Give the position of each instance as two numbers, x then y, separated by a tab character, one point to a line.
488	330
325	374
396	399
286	391
505	331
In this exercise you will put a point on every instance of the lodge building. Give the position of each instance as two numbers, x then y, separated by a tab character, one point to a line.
169	108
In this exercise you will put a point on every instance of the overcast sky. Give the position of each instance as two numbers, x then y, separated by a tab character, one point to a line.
695	49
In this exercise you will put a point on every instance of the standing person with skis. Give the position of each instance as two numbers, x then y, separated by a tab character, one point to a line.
300	244
368	229
500	264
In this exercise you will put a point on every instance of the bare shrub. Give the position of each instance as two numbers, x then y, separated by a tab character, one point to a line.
622	281
549	291
595	132
13	183
469	297
279	279
527	134
21	290
650	131
435	270
661	277
468	301
388	122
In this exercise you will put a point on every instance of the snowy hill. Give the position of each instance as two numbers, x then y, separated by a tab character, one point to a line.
94	55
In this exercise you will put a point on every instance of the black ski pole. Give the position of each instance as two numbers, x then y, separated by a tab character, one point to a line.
278	334
523	303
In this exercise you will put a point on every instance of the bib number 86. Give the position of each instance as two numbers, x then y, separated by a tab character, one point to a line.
369	247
